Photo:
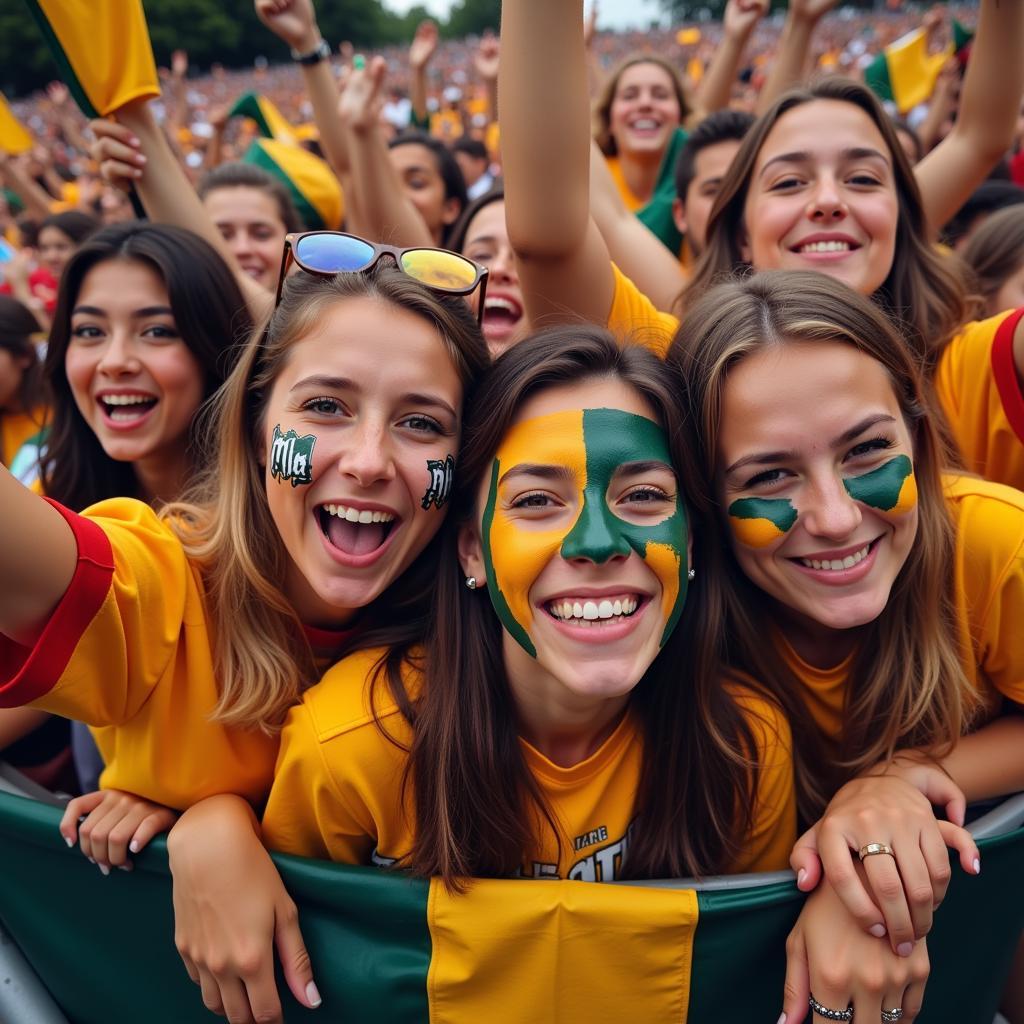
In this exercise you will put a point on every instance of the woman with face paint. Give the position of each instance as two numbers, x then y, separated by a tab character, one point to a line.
877	596
173	629
548	702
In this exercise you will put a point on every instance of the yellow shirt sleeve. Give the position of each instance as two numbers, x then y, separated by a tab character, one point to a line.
977	386
989	582
633	317
773	834
337	791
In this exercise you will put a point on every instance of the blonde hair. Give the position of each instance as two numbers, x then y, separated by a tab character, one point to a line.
262	657
906	686
603	104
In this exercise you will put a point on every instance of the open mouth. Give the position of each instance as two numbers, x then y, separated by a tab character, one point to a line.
355	531
645	124
501	313
590	613
127	408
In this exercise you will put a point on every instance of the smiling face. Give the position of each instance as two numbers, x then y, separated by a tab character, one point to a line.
55	249
817	482
582	538
710	166
645	110
134	380
250	223
358	453
823	197
487	243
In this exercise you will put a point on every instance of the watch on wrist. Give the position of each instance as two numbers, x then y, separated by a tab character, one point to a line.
320	52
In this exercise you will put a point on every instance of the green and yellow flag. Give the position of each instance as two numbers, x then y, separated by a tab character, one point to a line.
270	122
905	72
314	188
102	49
14	136
386	949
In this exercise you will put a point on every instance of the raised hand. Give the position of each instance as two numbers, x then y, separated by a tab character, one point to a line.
362	95
742	15
424	44
292	21
485	60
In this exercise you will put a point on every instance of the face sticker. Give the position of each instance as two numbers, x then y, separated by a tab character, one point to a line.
758	522
591	445
442	473
890	488
291	457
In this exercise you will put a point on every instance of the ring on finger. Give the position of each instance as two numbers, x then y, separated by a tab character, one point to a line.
889	1016
874	849
824	1011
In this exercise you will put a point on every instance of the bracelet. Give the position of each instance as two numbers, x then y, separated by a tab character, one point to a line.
320	52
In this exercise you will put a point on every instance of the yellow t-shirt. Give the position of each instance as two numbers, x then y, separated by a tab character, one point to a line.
16	428
988	570
633	316
977	384
338	793
129	649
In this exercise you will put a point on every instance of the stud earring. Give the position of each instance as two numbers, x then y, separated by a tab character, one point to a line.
691	574
471	582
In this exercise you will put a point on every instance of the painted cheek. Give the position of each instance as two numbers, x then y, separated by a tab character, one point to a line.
760	522
291	457
890	488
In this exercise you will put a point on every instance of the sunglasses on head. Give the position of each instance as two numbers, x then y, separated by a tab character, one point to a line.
337	252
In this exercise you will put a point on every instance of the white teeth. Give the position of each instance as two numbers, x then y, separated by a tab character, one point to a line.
355	515
499	303
586	612
835	564
825	247
127	399
644	124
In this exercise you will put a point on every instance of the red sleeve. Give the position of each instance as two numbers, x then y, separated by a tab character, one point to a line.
28	673
1004	369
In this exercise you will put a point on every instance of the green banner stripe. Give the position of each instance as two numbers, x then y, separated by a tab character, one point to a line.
256	154
65	70
876	77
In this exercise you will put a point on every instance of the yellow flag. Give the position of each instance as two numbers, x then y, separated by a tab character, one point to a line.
102	49
688	36
14	136
314	188
270	122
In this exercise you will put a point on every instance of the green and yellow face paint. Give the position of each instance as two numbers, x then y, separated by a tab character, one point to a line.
591	445
891	488
758	522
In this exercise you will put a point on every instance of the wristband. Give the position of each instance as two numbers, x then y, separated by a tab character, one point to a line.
320	52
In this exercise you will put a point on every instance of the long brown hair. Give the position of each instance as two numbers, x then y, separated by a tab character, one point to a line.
603	103
263	659
907	686
924	294
996	252
479	810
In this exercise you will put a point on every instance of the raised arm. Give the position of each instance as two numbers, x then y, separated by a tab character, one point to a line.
15	176
486	61
424	45
636	250
294	22
740	20
794	49
37	560
564	266
385	213
989	105
134	150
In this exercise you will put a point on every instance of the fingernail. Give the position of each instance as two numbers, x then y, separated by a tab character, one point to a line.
134	140
90	860
781	1020
313	995
104	870
878	930
71	843
977	866
140	158
124	867
800	876
134	846
905	948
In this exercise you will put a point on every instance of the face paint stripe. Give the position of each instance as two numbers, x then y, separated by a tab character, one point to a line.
758	522
883	488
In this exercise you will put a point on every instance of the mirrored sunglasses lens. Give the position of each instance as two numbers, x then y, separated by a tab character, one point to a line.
333	254
439	269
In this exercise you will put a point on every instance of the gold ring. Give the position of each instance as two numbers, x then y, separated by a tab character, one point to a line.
872	849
